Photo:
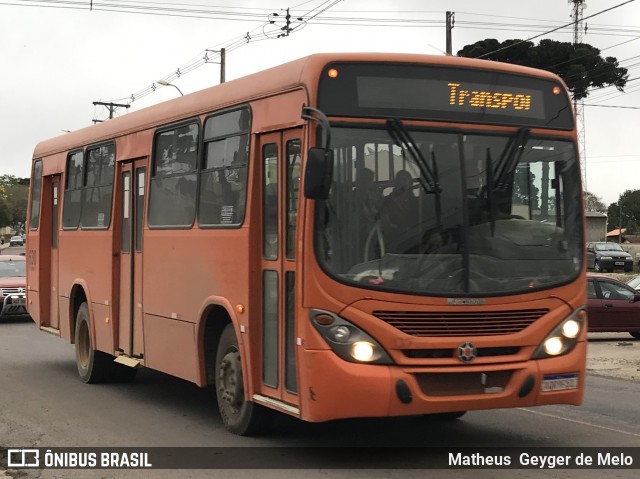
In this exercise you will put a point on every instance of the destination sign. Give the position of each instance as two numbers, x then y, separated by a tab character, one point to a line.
439	93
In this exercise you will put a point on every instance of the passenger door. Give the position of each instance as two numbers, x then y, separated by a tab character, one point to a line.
54	320
280	174
131	191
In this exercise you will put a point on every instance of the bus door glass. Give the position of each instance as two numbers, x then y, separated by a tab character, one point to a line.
132	193
54	318
280	160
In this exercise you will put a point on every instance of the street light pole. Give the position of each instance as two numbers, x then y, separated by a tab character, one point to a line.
620	231
166	83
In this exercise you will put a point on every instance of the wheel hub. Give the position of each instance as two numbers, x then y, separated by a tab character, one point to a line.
230	380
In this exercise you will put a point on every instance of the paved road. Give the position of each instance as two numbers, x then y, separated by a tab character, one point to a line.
42	403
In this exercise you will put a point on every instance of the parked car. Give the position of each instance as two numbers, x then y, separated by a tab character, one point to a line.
634	282
13	285
605	256
16	241
612	306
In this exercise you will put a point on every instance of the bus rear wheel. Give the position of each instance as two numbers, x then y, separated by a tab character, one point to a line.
239	416
93	366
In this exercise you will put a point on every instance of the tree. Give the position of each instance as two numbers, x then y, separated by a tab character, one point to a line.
580	65
14	193
593	202
625	212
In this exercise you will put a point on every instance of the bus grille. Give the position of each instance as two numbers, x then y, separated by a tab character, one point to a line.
473	323
7	291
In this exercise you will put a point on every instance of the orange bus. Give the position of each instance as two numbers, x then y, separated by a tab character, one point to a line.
345	235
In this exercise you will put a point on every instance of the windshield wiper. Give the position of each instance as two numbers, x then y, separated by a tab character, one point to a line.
509	158
429	179
402	138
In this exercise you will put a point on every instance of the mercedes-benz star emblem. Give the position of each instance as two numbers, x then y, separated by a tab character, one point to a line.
467	352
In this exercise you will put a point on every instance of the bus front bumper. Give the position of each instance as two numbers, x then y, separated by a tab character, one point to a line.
336	389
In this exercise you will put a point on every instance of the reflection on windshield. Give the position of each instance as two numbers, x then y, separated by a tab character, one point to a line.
504	218
609	247
12	269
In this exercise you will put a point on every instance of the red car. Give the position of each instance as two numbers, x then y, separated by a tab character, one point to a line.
13	285
613	306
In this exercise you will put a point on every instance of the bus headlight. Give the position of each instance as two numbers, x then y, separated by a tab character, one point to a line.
553	346
362	351
347	340
563	337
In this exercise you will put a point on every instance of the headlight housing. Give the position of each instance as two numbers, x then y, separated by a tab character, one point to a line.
347	340
563	337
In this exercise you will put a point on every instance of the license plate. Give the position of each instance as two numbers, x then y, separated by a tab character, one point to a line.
619	263
560	382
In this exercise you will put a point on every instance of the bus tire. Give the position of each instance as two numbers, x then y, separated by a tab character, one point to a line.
93	366
239	416
635	334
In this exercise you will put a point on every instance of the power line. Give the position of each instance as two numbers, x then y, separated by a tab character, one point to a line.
231	45
614	106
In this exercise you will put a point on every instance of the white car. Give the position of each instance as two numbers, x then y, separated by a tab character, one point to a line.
16	241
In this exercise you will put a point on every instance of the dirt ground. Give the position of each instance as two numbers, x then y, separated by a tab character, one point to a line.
615	355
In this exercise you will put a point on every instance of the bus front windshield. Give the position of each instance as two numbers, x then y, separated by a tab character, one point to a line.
450	213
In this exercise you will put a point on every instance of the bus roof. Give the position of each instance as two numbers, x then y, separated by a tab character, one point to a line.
298	73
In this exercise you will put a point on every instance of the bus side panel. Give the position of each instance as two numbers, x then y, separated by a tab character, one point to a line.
168	344
87	258
33	306
183	268
66	330
102	327
33	278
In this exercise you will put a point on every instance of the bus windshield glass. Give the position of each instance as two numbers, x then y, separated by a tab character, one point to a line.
451	213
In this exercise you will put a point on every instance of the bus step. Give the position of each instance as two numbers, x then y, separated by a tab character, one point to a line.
50	330
127	361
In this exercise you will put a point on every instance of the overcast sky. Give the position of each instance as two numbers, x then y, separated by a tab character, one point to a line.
58	57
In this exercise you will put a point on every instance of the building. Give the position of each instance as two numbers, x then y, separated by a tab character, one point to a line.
596	227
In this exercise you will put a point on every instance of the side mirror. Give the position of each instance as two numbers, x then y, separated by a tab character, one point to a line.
318	173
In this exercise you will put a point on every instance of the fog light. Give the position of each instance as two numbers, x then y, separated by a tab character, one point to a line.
362	351
570	329
553	346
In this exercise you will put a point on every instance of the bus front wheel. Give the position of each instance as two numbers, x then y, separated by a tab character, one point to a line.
93	366
239	416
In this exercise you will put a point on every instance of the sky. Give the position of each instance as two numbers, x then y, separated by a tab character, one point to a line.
57	57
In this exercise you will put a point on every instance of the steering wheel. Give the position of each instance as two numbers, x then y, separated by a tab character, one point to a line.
376	232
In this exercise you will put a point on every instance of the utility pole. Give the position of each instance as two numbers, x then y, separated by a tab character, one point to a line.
222	62
450	22
223	57
578	105
111	106
620	230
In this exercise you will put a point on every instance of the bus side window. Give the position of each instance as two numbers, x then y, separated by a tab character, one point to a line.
223	178
172	195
